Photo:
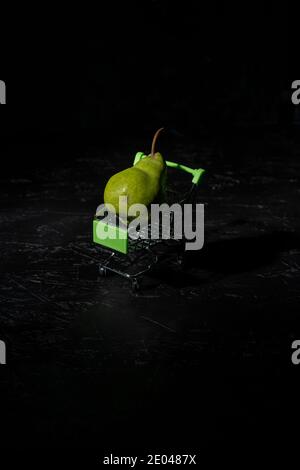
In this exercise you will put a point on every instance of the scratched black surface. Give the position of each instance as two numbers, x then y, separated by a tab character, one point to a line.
199	357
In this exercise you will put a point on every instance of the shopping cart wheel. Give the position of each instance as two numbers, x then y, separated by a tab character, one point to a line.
135	285
102	271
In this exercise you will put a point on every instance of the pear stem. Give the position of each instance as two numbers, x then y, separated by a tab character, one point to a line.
154	141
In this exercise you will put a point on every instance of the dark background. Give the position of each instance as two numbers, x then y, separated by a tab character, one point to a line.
199	360
194	66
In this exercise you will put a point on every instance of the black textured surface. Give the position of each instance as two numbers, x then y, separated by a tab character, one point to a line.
198	358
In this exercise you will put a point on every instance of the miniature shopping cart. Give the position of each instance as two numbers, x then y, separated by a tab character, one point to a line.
132	257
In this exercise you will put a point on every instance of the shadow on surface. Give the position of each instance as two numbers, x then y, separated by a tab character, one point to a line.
242	254
225	257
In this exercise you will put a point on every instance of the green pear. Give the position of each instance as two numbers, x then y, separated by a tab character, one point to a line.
142	184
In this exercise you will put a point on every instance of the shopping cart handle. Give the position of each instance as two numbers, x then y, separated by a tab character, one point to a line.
197	173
